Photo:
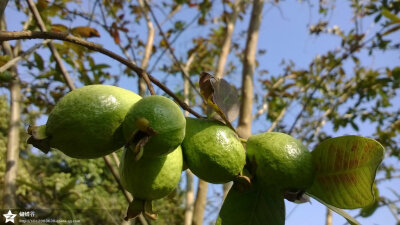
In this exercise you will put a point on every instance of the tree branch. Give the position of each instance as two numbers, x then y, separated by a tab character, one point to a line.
53	49
277	120
5	36
3	5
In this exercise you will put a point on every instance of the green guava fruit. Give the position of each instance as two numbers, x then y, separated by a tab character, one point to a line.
151	178
212	151
86	122
281	161
161	119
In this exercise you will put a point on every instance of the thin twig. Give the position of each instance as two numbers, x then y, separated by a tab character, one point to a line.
393	210
173	41
127	195
4	36
186	89
169	47
146	79
277	120
15	60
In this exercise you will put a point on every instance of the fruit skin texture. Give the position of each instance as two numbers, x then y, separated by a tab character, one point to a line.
85	123
281	161
151	178
212	151
164	116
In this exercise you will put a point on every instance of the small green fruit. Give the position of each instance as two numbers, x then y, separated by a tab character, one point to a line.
151	178
161	119
86	122
281	161
212	151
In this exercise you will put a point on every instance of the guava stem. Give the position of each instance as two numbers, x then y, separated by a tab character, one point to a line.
139	148
243	140
148	210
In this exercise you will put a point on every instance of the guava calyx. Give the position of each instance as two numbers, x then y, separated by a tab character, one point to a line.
138	207
138	147
39	138
242	183
140	137
296	196
159	118
144	125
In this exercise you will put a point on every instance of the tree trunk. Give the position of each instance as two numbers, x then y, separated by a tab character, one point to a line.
189	203
9	198
200	203
148	48
328	217
249	61
226	46
189	198
225	49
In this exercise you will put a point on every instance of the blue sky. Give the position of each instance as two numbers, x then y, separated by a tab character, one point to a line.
284	34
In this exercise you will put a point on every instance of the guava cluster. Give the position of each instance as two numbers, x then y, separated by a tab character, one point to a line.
96	120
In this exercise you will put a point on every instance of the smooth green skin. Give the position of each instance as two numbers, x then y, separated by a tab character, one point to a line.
281	161
86	122
212	151
151	178
164	116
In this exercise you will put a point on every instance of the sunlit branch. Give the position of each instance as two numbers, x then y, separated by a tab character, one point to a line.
5	36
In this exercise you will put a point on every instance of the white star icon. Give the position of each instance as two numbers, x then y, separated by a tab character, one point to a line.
9	216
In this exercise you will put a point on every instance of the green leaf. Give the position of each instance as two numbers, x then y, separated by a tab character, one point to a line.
100	66
39	61
226	98
386	13
255	206
351	220
345	171
6	76
221	96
